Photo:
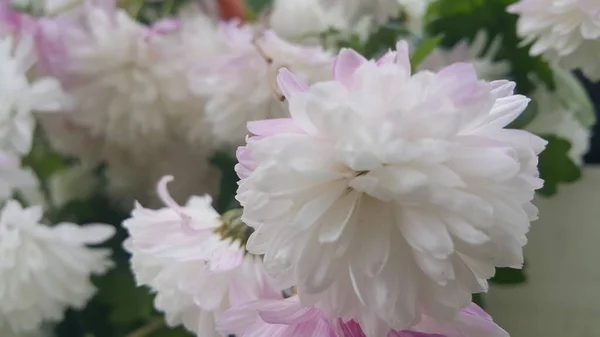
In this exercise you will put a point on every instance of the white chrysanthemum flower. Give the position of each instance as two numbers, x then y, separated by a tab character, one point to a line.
475	53
19	97
239	84
45	270
388	195
565	31
128	80
195	273
13	177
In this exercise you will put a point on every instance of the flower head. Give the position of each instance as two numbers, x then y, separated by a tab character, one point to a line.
127	79
565	31
195	273
387	195
45	270
239	84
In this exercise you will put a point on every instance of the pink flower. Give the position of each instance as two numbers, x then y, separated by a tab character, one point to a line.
288	318
275	318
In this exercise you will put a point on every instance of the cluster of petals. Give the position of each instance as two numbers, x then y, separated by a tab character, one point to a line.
45	270
288	318
564	31
387	196
127	80
194	273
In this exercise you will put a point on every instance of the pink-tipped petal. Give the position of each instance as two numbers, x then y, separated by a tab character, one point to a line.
163	27
270	127
402	54
246	164
290	84
346	64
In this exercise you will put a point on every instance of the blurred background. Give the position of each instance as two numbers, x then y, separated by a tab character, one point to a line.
560	296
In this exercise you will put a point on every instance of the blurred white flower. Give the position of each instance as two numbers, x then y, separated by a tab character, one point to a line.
304	20
77	182
13	177
475	53
19	98
387	195
45	270
563	112
128	80
564	31
415	11
239	85
195	273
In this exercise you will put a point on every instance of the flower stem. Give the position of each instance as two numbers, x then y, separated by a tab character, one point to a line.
149	328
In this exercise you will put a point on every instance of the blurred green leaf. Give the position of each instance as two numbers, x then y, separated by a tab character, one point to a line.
573	97
42	159
128	303
423	50
555	165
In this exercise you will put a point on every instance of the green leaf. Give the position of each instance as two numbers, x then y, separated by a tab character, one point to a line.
573	97
555	165
128	303
42	159
462	19
423	50
508	276
228	187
